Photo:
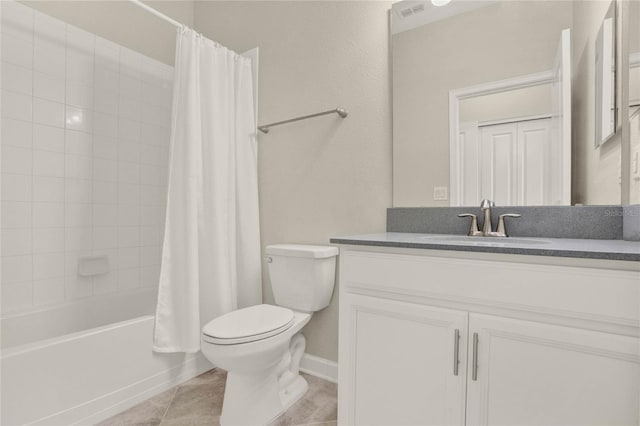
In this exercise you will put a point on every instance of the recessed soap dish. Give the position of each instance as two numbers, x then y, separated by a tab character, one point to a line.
93	265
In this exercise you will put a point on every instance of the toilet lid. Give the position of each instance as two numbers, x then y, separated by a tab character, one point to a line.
248	324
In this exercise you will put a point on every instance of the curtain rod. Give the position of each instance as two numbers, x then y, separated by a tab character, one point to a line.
156	13
340	111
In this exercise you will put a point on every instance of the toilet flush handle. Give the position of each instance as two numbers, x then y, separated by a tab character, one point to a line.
269	259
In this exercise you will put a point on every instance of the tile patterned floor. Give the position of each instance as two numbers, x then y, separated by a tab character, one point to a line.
199	402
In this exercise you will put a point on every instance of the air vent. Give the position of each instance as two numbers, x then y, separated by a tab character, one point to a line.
410	11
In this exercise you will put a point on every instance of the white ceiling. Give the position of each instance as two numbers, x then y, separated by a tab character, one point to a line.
430	13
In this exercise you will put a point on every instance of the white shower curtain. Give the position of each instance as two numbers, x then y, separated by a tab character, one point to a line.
211	252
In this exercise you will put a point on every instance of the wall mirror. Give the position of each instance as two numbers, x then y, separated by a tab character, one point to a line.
495	99
633	23
605	78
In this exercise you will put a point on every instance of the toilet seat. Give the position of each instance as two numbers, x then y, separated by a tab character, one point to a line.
248	325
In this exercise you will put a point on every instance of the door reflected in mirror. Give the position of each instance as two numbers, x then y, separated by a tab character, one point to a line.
605	73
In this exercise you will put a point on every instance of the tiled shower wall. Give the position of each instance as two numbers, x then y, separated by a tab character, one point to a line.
85	136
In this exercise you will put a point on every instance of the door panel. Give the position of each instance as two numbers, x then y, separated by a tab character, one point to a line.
537	374
400	363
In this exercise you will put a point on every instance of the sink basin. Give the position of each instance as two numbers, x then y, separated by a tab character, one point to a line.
483	241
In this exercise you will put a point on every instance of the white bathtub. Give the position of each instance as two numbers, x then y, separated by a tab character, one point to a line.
86	376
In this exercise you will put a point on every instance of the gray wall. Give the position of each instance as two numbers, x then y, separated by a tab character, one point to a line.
327	176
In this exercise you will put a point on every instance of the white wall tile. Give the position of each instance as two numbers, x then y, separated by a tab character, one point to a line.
77	239
16	187
105	125
128	172
150	154
149	276
78	166
78	191
16	105
47	163
48	240
105	238
49	56
107	52
105	101
129	237
105	170
152	215
128	279
16	160
150	255
105	192
105	215
15	214
106	283
128	215
150	175
150	235
48	215
17	20
79	40
16	297
48	189
47	138
77	287
48	292
128	257
79	119
17	269
16	78
78	143
106	148
17	51
50	265
129	130
47	86
128	193
129	109
78	215
72	260
79	67
79	95
16	241
48	27
129	151
16	133
48	112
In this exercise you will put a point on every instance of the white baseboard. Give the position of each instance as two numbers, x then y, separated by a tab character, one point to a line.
319	367
109	405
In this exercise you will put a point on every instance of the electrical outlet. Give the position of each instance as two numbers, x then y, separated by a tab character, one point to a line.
440	193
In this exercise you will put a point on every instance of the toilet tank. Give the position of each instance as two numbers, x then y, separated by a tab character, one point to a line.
302	276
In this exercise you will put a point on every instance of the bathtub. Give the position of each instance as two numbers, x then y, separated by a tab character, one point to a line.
83	377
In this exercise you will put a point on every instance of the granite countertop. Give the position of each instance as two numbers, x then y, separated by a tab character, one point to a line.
556	247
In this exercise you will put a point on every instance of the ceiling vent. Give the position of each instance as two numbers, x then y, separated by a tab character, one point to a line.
410	11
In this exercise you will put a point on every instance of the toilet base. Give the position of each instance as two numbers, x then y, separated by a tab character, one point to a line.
293	392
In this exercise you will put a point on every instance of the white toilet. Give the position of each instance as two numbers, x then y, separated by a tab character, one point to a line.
261	346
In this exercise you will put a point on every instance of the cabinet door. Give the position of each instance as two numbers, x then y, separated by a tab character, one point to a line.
397	363
538	374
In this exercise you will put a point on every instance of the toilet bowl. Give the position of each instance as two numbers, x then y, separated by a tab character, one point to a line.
261	346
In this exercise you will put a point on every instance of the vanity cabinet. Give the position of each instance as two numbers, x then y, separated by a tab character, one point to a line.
449	338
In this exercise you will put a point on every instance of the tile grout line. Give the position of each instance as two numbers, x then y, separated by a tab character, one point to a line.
164	413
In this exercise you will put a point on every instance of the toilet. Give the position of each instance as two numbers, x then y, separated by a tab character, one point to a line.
261	346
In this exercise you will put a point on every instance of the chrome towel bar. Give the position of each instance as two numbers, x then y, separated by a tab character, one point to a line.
340	111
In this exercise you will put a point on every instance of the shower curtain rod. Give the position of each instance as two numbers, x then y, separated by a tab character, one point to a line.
340	111
155	12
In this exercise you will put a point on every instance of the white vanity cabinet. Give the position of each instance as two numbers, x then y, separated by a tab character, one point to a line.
556	342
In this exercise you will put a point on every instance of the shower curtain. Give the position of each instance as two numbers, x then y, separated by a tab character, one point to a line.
211	261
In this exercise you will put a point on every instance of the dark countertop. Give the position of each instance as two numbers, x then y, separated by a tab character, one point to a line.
555	247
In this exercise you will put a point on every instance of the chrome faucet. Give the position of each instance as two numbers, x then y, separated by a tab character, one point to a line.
486	207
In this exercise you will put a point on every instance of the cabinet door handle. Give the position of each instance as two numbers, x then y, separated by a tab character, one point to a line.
474	367
456	350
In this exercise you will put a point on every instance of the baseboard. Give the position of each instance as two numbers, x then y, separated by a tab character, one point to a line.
320	367
115	402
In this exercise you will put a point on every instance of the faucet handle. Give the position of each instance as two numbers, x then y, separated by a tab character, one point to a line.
473	229
502	231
